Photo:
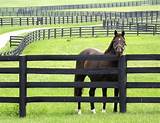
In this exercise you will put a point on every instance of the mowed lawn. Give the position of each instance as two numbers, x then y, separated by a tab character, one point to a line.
22	3
5	29
122	9
65	112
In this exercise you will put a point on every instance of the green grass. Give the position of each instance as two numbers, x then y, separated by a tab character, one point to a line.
122	9
136	44
65	113
5	29
22	3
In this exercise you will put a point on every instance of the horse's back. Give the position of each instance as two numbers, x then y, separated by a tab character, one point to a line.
91	51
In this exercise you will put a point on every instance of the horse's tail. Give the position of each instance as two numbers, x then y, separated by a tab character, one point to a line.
79	78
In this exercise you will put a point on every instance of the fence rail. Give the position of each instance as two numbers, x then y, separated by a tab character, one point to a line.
140	18
48	10
122	82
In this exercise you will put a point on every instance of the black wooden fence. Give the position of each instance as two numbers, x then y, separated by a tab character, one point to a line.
48	20
104	13
15	40
39	11
122	82
143	18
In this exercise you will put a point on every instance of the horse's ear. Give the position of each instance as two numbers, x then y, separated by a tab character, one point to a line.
123	33
115	32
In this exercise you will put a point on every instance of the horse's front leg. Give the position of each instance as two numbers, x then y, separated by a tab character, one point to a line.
104	92
92	94
78	91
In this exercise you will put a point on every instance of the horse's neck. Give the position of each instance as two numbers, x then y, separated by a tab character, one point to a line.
110	50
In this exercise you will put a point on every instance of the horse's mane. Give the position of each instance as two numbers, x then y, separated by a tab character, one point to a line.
110	48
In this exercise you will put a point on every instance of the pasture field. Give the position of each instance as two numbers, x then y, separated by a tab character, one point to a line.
122	9
65	112
23	3
5	29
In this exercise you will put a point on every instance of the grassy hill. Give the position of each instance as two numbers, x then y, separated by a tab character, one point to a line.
21	3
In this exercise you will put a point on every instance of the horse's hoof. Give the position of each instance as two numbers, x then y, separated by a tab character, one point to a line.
79	112
103	110
114	111
93	111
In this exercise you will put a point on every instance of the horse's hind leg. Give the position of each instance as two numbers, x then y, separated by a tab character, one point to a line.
92	94
78	91
104	92
116	91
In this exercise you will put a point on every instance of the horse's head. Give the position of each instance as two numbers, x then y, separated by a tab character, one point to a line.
119	43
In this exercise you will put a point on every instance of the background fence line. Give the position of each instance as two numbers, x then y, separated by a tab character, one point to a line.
60	13
35	11
143	18
122	70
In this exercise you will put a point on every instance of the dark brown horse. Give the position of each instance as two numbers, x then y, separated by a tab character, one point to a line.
116	47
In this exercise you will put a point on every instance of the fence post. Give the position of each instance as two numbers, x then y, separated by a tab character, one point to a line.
76	19
71	19
96	18
81	18
50	20
27	21
44	34
59	20
54	20
1	21
33	36
36	35
10	41
104	24
101	18
49	33
62	32
155	29
86	20
80	31
130	26
22	88
63	20
137	29
11	21
91	18
70	32
67	19
107	28
146	27
46	20
55	33
39	34
32	20
93	31
122	78
20	21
